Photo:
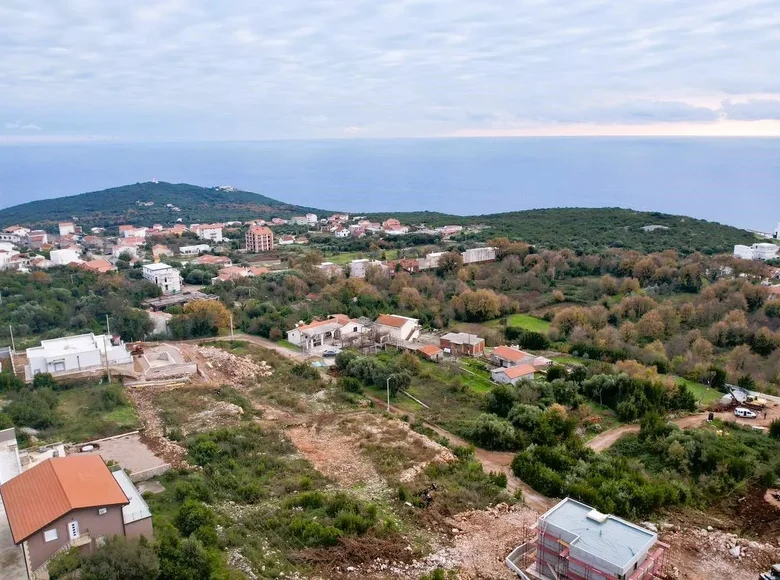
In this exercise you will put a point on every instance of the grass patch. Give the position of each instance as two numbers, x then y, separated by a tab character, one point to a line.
525	321
288	345
570	360
702	392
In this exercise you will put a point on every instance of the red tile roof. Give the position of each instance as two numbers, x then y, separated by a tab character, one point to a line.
429	350
391	320
518	371
510	354
100	265
35	498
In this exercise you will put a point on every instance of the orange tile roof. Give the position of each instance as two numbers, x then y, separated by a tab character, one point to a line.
518	371
35	498
511	354
100	265
391	320
429	350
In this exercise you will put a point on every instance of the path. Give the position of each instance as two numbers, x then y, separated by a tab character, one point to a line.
258	340
606	439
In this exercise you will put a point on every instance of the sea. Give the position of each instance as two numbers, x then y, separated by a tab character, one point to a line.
729	180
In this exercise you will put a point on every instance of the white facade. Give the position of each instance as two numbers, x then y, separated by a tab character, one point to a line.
74	353
210	232
165	276
357	268
10	238
777	231
194	250
118	250
476	255
67	228
341	233
5	257
311	219
399	327
431	261
66	256
134	233
761	251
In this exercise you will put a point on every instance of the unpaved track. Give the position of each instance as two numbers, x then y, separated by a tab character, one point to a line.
607	439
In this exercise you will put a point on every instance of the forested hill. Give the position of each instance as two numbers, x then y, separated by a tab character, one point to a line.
593	229
122	205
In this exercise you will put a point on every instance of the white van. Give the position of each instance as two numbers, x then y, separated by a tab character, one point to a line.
745	413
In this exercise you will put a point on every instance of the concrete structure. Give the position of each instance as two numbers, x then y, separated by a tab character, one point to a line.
165	276
357	268
67	228
777	232
211	232
12	566
161	250
132	232
259	239
330	269
575	542
70	502
399	328
210	260
507	356
316	333
512	375
194	250
120	249
431	261
65	256
761	251
477	255
74	354
311	219
286	240
6	256
237	272
462	344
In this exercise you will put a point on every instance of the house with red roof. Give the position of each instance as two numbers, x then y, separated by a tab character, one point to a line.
513	375
399	328
318	332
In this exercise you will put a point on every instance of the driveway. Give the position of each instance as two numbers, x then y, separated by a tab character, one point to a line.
11	559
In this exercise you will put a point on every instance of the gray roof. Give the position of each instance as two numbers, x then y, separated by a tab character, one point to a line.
462	338
613	540
137	508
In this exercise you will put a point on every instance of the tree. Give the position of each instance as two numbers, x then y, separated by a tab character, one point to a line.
478	306
43	381
200	318
121	559
10	382
193	515
774	429
500	400
556	372
449	262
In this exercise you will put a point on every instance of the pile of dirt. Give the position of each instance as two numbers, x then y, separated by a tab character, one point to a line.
238	368
153	433
709	553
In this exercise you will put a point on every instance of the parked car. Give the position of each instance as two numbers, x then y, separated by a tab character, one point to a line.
331	352
744	413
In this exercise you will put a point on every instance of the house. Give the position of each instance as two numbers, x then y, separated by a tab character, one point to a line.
398	327
330	269
209	260
314	334
301	240
574	541
299	220
507	356
761	251
65	256
390	223
41	262
194	250
74	354
431	261
477	255
11	238
132	232
160	250
101	265
278	221
259	239
311	219
6	257
165	276
462	344
358	268
236	272
513	375
120	249
396	230
286	240
93	241
66	228
71	502
211	232
17	230
430	352
341	232
447	231
38	239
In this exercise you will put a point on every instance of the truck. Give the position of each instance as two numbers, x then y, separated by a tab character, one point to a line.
773	574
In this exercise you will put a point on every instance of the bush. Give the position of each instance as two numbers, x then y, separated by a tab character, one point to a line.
305	371
774	429
492	432
192	515
44	381
556	372
350	385
34	409
10	382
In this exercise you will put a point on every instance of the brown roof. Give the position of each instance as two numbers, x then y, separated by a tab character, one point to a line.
260	230
429	350
391	320
509	353
518	371
35	498
100	265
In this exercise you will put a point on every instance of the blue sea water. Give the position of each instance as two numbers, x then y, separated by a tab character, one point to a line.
735	181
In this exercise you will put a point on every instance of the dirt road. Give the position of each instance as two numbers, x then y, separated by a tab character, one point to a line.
606	439
258	340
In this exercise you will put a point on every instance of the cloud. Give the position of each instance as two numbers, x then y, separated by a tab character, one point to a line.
311	68
19	126
752	109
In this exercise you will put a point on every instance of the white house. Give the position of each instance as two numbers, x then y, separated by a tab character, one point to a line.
357	268
341	233
194	250
430	261
476	255
311	219
507	356
65	256
760	251
120	249
6	256
777	231
165	276
67	228
398	327
75	353
211	232
132	232
314	334
513	375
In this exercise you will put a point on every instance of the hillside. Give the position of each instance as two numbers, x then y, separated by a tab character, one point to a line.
120	205
592	229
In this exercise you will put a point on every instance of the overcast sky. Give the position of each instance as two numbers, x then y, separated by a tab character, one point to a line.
246	69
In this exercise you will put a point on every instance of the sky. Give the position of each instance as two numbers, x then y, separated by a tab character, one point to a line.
168	70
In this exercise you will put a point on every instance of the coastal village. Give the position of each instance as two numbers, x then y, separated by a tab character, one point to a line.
364	439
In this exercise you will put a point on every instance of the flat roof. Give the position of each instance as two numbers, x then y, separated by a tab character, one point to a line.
137	508
66	345
614	539
157	266
462	338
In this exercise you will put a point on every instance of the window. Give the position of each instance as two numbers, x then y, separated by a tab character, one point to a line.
102	511
73	529
49	535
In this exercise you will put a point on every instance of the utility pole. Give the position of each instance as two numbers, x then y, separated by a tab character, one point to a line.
11	330
105	350
232	337
108	328
388	392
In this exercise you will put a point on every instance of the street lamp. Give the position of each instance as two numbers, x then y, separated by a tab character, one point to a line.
388	391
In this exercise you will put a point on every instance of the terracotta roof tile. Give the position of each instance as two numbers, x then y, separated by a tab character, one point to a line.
518	371
391	320
48	491
429	350
510	354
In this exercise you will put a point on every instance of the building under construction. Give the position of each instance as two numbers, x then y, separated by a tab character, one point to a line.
576	542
